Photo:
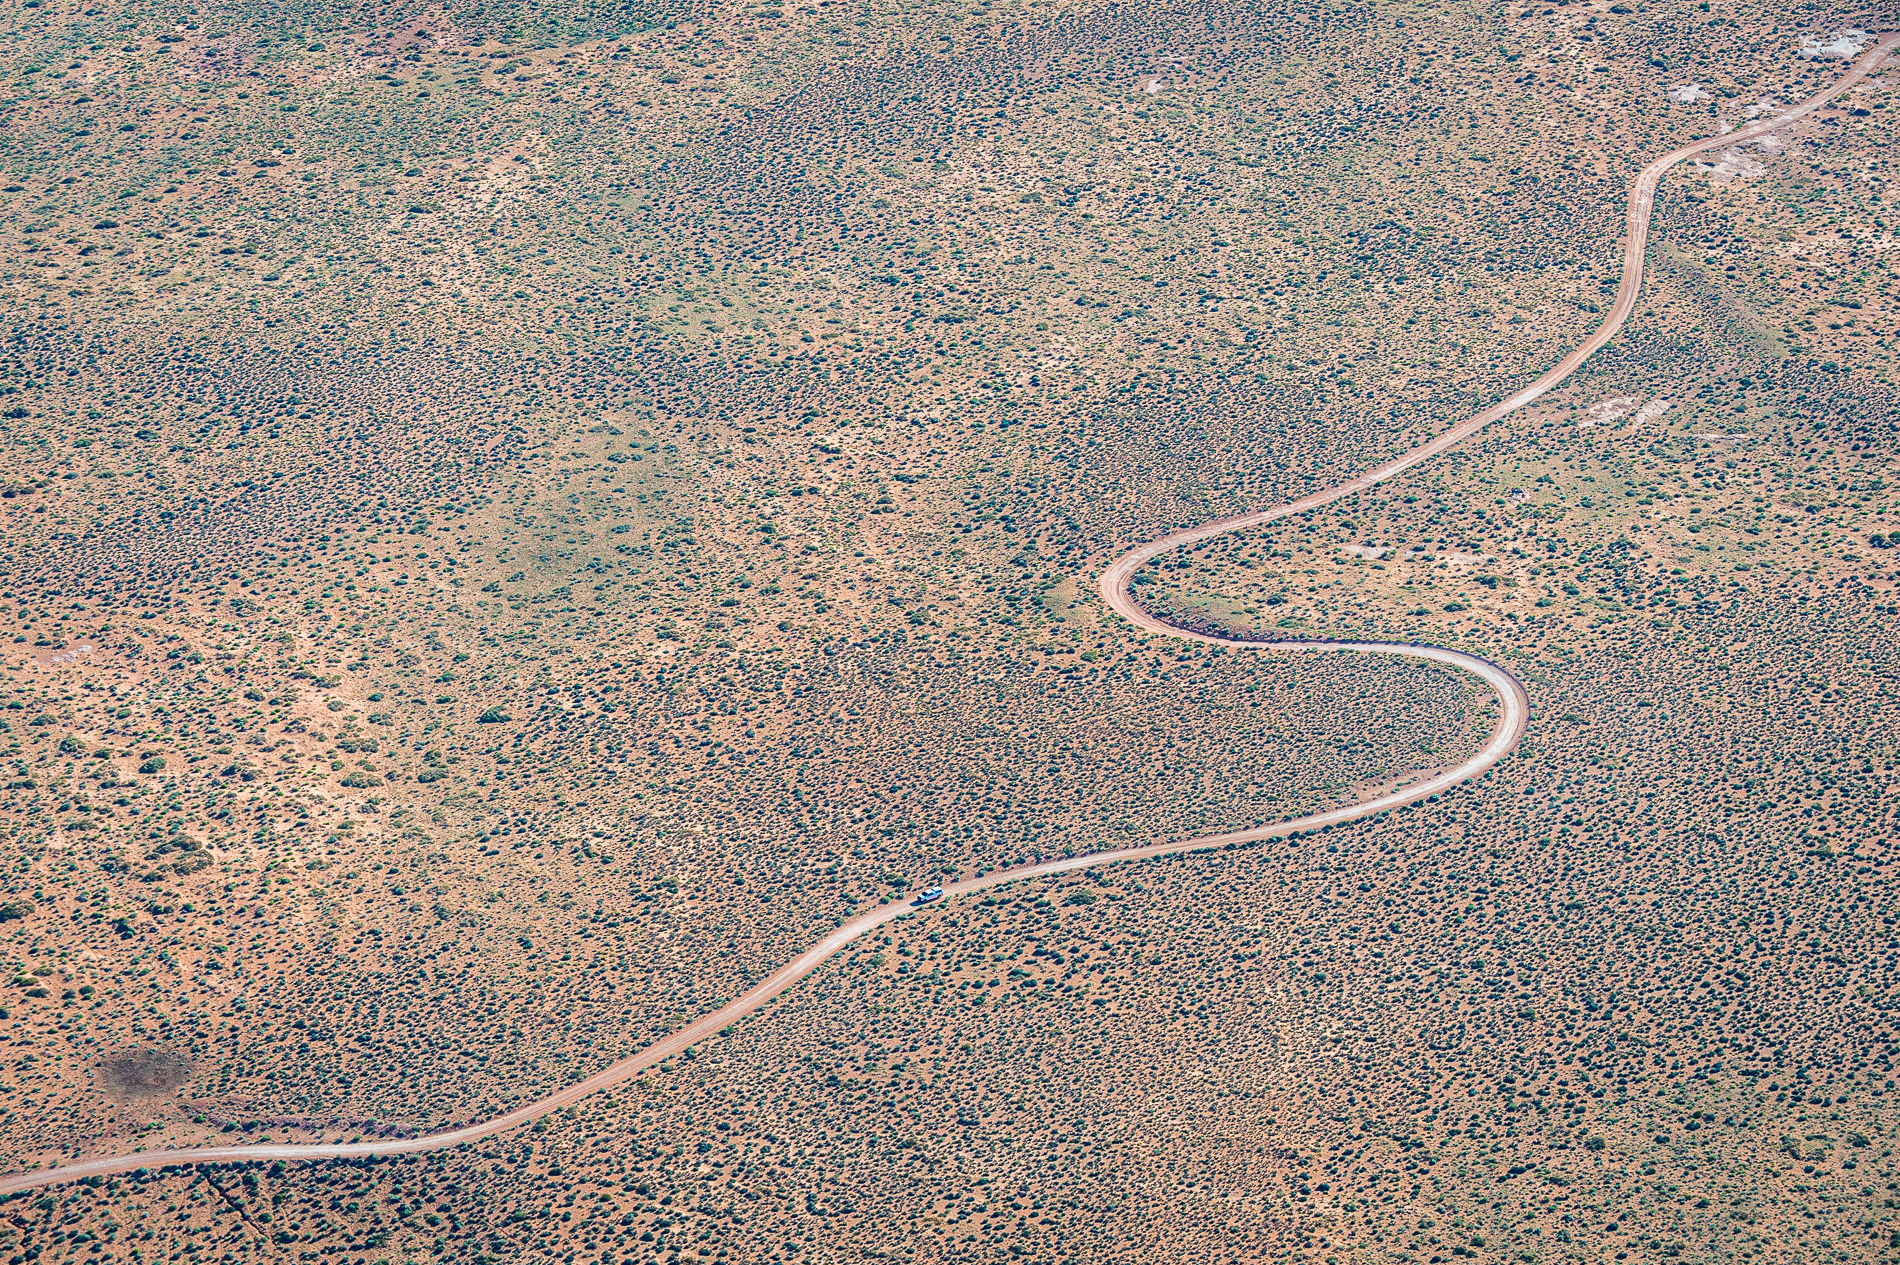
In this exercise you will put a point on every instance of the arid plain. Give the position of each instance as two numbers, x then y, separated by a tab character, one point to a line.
519	521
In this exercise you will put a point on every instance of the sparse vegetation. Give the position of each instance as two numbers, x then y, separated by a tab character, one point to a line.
516	520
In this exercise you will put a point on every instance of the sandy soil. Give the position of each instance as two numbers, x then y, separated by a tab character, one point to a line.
1513	719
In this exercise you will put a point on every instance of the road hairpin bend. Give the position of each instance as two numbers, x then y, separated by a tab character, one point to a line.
1513	716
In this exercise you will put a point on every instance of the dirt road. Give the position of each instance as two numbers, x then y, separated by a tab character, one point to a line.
1514	712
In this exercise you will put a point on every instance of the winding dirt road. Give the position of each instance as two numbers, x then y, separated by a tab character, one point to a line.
1513	716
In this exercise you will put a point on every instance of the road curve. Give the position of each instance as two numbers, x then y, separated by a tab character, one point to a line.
1114	583
1513	716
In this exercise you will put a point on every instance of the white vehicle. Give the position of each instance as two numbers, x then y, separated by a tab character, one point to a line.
927	895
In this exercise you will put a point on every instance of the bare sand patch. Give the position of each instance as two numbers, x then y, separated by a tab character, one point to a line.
1603	412
1732	165
1840	46
1650	412
62	655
